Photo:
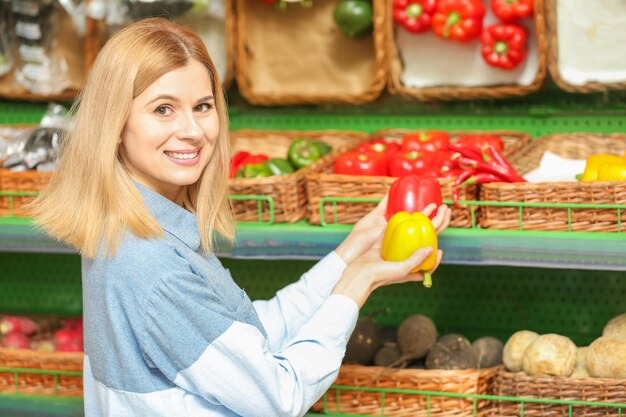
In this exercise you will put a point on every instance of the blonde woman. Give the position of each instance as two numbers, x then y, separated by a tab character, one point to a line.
141	189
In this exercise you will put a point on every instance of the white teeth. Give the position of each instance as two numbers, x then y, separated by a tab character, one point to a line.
177	155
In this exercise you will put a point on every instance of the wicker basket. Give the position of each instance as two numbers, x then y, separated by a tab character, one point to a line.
288	192
556	70
41	383
71	46
327	184
573	146
97	35
520	385
469	381
436	89
299	56
27	181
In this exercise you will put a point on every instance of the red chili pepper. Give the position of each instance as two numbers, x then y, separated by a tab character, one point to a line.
504	45
355	163
457	183
467	150
492	154
414	15
411	163
447	172
459	20
380	146
483	177
506	174
479	141
425	140
511	10
413	193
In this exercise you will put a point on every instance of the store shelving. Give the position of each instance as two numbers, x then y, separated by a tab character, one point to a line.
499	281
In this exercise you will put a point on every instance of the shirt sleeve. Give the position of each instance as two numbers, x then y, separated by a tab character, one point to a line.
197	342
293	305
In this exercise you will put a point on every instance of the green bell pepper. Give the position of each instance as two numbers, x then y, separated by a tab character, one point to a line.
303	152
323	146
279	166
355	18
260	170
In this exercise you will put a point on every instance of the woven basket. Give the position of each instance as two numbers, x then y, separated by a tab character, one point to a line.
553	54
453	92
71	46
26	383
97	35
520	385
299	56
41	384
567	145
469	381
327	184
20	181
287	191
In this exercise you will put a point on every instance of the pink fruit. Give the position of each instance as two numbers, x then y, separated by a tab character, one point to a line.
69	347
65	336
17	324
16	340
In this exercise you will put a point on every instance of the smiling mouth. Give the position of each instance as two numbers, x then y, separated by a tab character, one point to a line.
182	155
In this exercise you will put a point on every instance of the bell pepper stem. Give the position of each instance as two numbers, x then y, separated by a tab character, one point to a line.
414	10
428	280
453	19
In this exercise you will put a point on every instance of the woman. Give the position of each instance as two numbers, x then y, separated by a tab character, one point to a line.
141	188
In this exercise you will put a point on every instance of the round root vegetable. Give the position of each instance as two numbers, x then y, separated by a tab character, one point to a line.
606	358
387	355
514	349
489	351
616	327
451	351
580	371
416	335
550	354
363	343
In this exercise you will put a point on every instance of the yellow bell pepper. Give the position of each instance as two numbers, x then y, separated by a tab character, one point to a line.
405	233
594	162
613	172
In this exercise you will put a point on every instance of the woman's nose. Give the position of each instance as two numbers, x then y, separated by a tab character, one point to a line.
188	127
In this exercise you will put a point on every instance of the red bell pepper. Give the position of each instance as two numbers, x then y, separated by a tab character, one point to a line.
504	45
511	10
413	193
242	158
380	146
479	141
459	20
411	163
425	140
368	163
414	15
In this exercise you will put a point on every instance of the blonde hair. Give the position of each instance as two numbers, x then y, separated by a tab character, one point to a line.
91	199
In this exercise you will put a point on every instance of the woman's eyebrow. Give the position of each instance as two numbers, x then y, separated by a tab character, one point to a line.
163	97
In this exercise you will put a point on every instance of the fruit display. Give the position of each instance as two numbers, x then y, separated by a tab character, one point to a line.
42	334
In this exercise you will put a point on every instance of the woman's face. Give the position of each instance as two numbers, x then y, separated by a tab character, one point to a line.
172	131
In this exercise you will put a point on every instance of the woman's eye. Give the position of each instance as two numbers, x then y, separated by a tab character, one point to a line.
163	111
204	107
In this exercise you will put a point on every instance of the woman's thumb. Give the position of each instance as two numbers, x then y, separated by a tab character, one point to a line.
418	257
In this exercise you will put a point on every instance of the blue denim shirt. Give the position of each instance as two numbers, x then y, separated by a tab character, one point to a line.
169	333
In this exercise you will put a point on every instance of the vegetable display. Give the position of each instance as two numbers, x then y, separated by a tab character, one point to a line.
301	153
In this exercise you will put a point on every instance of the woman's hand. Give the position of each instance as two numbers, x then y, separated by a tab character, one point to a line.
369	271
366	231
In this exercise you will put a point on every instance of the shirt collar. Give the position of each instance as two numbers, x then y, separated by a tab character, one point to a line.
173	218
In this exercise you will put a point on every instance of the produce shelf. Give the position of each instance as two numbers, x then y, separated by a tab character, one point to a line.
582	250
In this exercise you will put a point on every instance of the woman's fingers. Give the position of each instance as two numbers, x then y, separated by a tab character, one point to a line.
429	209
442	220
